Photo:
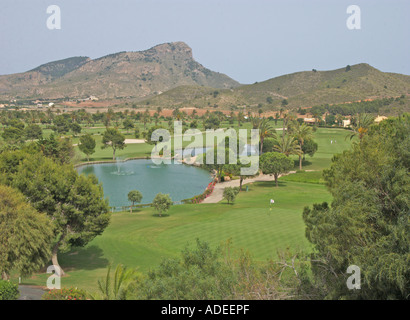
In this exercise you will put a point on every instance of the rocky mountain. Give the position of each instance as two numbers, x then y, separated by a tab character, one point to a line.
124	74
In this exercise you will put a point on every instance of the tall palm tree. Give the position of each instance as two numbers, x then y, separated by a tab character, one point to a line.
265	130
255	122
288	145
240	118
284	118
360	125
301	133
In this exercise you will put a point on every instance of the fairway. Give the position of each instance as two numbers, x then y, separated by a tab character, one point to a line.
140	240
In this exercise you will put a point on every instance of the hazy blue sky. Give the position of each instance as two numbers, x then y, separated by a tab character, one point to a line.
249	40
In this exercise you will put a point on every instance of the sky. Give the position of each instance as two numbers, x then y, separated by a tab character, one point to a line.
249	40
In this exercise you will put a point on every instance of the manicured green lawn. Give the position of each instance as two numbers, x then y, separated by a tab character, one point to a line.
326	150
140	240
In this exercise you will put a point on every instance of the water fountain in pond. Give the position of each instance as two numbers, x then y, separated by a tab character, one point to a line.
120	170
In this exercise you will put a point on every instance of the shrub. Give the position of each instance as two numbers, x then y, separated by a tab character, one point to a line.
230	194
65	294
8	290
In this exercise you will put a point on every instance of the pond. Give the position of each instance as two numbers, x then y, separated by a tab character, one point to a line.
178	180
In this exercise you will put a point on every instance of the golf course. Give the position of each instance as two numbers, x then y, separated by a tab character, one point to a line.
140	240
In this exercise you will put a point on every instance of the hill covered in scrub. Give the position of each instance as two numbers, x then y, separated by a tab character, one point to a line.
125	74
300	89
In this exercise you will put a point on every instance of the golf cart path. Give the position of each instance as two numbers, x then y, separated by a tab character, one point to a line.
217	194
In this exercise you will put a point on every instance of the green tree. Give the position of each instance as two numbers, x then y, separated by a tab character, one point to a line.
74	203
265	130
13	135
60	149
309	148
61	124
274	163
8	290
87	145
268	144
301	133
199	274
128	124
240	118
162	203
212	122
114	139
137	133
230	194
33	132
134	196
76	128
153	137
367	224
25	235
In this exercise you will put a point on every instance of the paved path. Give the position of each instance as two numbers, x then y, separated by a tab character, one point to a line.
217	194
30	293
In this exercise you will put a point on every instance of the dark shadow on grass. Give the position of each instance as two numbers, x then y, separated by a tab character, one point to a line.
270	184
164	215
88	258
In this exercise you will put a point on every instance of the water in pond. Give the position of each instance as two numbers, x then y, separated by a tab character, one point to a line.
179	181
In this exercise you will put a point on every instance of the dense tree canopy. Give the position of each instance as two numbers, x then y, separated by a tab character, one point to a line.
114	139
87	145
74	203
368	221
275	163
25	234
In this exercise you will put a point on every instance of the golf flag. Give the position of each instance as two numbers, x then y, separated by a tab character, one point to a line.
272	201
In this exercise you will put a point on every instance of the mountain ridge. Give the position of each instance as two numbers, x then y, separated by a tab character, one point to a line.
135	74
303	88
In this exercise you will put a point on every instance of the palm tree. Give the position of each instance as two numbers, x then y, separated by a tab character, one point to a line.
284	119
255	122
360	125
115	291
240	118
265	130
301	133
288	145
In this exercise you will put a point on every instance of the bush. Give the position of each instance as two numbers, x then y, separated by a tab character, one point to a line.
230	194
8	290
65	294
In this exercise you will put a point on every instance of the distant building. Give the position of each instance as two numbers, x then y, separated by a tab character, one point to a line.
346	123
309	120
380	119
51	104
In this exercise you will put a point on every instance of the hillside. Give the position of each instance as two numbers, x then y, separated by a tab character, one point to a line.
123	74
301	89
